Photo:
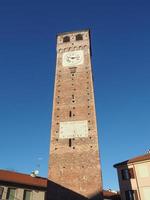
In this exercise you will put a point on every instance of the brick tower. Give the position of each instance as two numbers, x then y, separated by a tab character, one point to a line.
74	153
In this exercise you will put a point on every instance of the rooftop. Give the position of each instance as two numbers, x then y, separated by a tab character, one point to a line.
134	160
65	33
19	178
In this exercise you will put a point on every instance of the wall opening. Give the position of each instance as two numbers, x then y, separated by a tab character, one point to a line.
70	142
70	114
66	39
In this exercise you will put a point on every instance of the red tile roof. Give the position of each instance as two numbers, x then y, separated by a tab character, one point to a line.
19	178
133	160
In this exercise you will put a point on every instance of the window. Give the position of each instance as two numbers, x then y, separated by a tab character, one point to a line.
79	37
1	192
70	113
27	195
73	69
69	142
127	173
131	195
66	39
10	194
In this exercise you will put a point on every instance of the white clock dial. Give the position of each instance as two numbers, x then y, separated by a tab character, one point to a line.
73	58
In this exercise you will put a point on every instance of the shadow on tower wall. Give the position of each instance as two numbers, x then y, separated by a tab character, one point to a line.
57	192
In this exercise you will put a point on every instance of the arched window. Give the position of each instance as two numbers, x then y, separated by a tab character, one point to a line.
79	37
66	39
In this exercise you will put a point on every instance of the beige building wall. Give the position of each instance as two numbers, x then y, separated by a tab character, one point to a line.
143	179
140	182
19	193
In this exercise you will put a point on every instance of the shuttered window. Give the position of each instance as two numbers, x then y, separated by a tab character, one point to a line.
131	195
1	192
10	194
127	173
27	195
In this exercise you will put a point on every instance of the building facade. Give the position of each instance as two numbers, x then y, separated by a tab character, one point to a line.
74	152
18	186
134	178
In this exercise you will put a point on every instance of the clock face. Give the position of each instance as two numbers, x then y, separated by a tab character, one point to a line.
72	58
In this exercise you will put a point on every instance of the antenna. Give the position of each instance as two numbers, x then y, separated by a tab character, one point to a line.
36	172
148	151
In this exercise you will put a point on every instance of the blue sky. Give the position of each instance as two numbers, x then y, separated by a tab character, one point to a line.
120	32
